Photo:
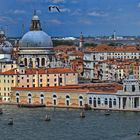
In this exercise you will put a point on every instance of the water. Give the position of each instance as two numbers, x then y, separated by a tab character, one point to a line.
65	124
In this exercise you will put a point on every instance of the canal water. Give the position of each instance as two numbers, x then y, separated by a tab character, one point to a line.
66	124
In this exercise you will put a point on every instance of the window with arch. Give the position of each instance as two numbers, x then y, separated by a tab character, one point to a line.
125	88
106	101
99	101
80	97
133	88
17	94
67	97
94	101
67	100
54	96
90	100
114	102
110	103
25	61
29	95
43	61
38	62
42	95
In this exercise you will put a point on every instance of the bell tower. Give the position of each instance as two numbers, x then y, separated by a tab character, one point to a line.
35	23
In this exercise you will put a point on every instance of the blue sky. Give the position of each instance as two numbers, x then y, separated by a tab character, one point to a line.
92	17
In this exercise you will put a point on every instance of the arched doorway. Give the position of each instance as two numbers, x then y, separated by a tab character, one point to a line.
54	99
67	100
110	103
42	99
17	97
80	101
25	62
38	62
29	98
43	62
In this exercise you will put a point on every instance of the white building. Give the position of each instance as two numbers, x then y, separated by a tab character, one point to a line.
93	55
126	99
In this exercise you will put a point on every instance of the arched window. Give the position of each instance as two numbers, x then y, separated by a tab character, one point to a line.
43	62
54	96
38	62
80	97
25	61
99	101
94	100
42	95
17	97
90	100
67	100
106	101
110	103
125	88
17	94
29	95
68	97
133	88
114	102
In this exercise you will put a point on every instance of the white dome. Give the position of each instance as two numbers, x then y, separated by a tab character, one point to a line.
35	17
36	39
6	47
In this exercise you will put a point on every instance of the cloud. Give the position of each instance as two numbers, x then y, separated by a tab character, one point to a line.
85	22
97	14
5	19
19	12
65	10
139	4
55	21
77	12
57	1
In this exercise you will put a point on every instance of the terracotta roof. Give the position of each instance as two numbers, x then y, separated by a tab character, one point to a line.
106	48
86	88
10	72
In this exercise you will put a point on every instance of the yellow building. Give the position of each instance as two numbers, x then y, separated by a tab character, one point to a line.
68	96
29	77
7	80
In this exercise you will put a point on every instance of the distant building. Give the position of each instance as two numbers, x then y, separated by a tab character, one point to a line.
117	98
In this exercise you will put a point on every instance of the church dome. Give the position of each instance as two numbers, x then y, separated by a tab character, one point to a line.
36	38
5	46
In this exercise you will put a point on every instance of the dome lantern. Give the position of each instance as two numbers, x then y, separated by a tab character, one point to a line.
35	23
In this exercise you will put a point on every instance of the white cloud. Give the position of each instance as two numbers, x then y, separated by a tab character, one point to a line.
19	12
97	14
57	1
86	21
5	19
77	12
55	21
65	10
139	4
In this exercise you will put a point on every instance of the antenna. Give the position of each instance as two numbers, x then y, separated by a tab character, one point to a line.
23	28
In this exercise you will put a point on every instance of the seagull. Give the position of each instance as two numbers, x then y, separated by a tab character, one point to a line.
54	7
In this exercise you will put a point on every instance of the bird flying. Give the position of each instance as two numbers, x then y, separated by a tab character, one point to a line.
54	7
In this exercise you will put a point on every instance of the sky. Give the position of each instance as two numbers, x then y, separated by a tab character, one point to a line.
92	17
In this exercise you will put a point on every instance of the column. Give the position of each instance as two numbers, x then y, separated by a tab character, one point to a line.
131	103
139	102
121	102
127	103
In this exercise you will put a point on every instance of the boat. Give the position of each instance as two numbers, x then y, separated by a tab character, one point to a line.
31	105
1	112
82	115
107	113
10	121
47	118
